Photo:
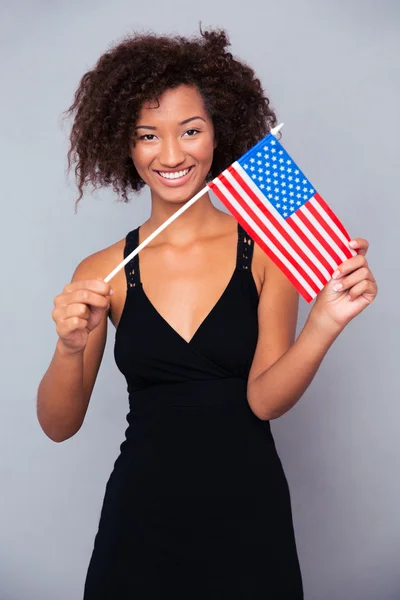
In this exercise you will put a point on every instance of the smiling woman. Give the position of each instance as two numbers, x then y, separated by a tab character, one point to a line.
197	505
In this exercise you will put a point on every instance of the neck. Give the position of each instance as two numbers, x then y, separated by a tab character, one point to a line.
199	219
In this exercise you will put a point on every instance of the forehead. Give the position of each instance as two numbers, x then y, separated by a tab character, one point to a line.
175	104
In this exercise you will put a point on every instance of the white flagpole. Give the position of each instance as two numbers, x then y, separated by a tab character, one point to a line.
151	237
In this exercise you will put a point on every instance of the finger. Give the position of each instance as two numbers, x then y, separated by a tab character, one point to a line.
85	296
359	244
94	285
349	265
365	288
353	279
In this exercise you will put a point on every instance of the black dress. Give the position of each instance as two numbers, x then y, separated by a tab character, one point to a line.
197	505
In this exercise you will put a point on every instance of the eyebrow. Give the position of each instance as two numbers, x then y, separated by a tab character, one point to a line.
181	123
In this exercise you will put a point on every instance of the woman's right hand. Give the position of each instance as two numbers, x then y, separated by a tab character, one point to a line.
78	310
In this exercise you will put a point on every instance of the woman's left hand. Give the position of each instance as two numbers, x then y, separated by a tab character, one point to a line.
351	289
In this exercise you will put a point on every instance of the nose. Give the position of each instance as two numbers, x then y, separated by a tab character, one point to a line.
171	153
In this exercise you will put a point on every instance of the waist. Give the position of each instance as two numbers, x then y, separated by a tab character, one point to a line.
227	392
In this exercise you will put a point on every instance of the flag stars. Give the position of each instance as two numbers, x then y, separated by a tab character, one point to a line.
259	162
252	160
258	153
246	167
252	168
262	186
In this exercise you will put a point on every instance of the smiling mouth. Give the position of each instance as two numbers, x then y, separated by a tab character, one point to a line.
174	175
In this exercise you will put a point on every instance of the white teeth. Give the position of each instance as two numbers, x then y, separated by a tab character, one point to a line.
175	175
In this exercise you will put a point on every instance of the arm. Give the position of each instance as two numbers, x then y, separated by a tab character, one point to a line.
282	368
66	387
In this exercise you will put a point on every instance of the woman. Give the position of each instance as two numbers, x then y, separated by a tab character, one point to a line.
197	505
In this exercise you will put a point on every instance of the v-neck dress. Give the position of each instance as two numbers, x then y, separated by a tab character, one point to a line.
197	505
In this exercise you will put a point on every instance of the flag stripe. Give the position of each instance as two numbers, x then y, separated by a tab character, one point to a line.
320	207
253	230
279	241
314	248
302	216
329	231
266	218
332	215
320	267
334	249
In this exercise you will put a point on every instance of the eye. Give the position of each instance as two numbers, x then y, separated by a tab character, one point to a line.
147	136
192	132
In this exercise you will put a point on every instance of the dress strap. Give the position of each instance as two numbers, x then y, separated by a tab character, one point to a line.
244	249
132	270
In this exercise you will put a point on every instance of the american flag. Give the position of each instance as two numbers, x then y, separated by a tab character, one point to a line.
279	208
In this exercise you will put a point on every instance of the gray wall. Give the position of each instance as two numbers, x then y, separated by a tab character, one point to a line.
332	71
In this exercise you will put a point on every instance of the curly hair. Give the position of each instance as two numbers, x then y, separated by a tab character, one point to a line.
141	68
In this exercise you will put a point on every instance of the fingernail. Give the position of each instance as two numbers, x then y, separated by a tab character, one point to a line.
338	287
111	292
353	243
349	298
336	274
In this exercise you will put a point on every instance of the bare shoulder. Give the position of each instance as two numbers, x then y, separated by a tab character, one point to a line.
100	264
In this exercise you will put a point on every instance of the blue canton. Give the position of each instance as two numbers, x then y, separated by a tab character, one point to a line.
277	176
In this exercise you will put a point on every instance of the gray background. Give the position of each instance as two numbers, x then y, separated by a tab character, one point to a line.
332	72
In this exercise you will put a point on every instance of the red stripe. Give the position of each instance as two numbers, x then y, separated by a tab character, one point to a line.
318	236
274	221
267	232
310	245
247	227
331	233
332	215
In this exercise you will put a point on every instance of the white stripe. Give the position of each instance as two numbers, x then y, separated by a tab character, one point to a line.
323	232
330	222
272	210
262	235
313	240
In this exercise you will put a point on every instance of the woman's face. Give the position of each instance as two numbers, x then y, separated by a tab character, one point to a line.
174	144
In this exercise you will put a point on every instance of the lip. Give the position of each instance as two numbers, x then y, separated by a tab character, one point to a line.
175	182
